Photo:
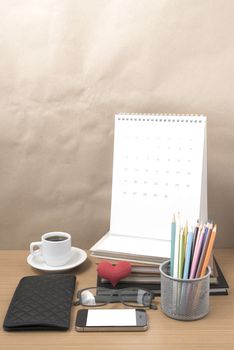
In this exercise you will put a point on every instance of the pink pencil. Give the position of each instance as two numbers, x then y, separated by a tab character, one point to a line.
197	253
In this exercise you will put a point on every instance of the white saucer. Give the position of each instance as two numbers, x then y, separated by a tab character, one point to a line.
78	256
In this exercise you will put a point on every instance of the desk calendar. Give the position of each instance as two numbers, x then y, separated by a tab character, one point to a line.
159	168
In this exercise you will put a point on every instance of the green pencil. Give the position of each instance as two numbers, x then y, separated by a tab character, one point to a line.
181	253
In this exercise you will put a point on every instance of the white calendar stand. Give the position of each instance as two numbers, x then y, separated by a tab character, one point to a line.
159	168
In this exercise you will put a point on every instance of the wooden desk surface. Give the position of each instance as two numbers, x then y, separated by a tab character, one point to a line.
215	331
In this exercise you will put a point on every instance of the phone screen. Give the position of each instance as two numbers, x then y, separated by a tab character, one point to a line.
108	317
89	320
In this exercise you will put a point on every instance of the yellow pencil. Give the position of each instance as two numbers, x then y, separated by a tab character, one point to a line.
185	238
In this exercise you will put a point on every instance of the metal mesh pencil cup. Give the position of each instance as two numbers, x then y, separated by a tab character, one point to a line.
184	299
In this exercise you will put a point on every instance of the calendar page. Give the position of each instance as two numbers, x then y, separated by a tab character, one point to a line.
158	170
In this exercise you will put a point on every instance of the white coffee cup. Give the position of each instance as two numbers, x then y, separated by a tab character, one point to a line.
54	247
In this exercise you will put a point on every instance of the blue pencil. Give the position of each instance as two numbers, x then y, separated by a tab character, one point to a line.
188	254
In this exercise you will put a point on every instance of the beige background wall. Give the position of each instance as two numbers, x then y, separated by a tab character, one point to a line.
66	67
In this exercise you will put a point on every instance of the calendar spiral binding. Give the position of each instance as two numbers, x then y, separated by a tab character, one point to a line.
167	117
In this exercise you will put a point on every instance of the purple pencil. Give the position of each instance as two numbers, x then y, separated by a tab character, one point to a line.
197	254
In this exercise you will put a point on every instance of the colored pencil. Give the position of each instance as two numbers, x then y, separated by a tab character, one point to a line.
196	229
204	249
185	234
197	253
176	252
188	255
209	251
190	250
181	253
173	233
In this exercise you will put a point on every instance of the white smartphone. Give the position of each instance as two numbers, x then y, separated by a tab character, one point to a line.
90	320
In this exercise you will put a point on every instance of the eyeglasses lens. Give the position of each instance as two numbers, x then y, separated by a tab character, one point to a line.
136	298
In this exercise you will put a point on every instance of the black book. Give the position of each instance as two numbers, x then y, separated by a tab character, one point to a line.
218	288
221	287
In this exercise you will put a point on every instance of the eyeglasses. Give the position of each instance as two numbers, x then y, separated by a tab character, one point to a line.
132	297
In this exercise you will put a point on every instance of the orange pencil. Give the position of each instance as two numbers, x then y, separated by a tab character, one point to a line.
209	251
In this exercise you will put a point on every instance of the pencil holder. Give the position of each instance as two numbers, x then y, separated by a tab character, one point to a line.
184	299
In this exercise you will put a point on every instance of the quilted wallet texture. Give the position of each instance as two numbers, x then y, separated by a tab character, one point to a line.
41	303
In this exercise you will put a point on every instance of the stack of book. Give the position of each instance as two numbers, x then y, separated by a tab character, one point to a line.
148	277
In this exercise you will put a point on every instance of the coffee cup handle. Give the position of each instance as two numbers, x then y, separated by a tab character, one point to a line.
36	245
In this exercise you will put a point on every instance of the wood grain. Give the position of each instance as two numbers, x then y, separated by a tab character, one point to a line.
215	331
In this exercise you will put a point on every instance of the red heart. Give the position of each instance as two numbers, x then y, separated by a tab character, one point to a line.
114	273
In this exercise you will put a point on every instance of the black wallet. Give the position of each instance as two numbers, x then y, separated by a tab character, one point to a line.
41	303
